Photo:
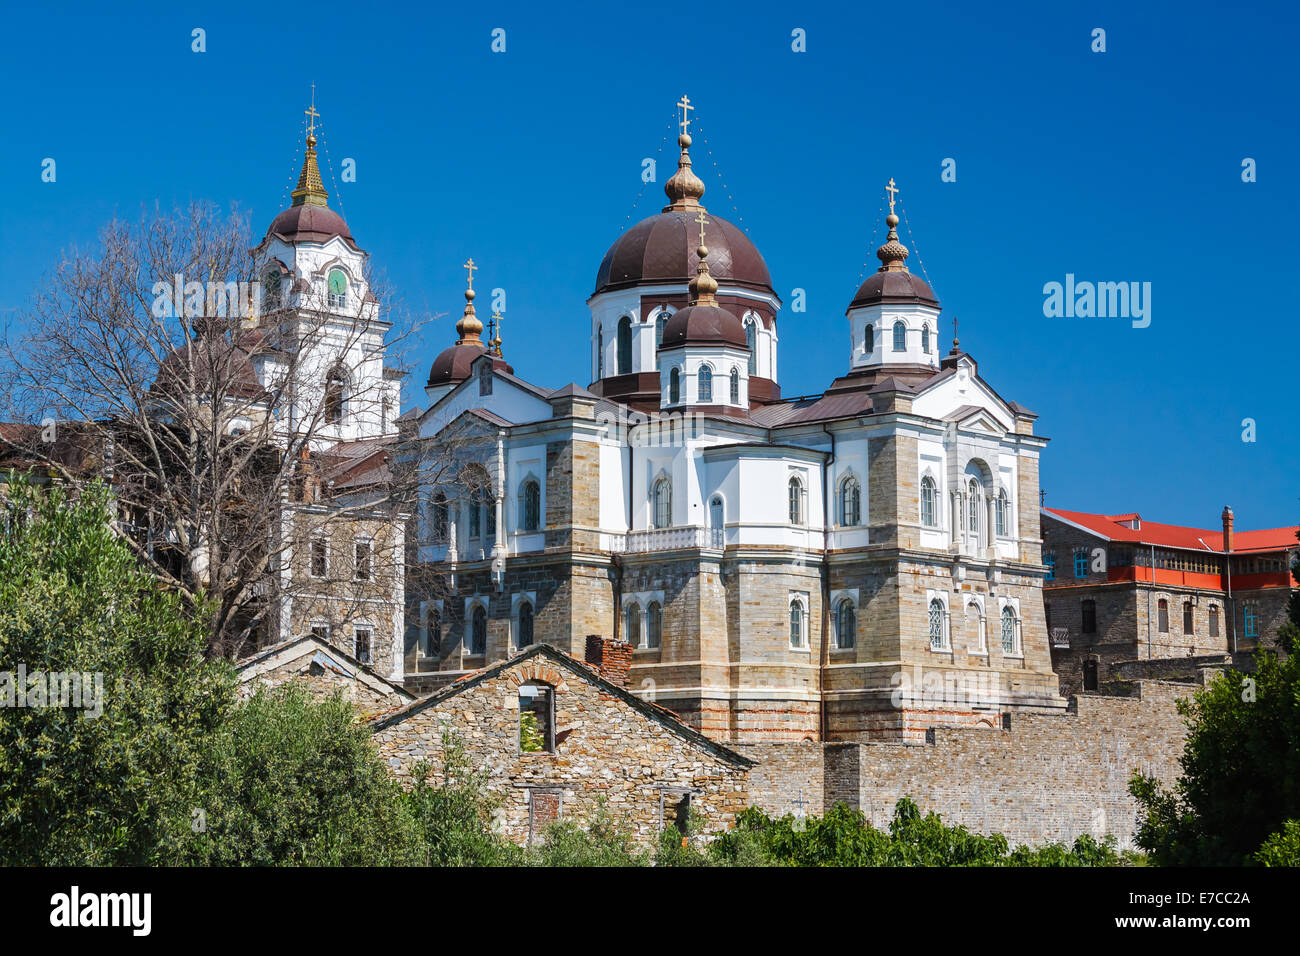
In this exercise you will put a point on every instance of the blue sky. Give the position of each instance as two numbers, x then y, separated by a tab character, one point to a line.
1116	166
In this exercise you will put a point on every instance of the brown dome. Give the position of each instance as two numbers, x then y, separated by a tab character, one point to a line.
894	286
704	325
661	250
309	223
452	366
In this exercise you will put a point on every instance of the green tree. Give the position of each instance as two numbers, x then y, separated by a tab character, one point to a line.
118	788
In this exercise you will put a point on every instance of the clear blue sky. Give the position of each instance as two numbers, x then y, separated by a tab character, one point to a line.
1118	166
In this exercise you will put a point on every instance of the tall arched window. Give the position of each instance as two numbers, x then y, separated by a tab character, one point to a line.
433	633
973	506
1000	512
928	495
735	386
900	337
475	516
632	633
1162	616
751	342
439	517
846	624
338	285
663	503
334	386
674	387
850	502
1008	630
660	321
490	509
925	339
704	384
271	289
938	639
869	339
624	345
654	625
478	631
796	624
600	352
525	624
530	506
795	491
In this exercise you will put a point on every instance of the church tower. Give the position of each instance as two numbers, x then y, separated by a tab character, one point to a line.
642	283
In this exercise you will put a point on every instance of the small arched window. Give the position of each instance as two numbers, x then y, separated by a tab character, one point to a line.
938	637
796	624
530	505
433	633
600	352
674	387
663	503
1000	512
272	297
525	624
973	506
735	386
654	625
929	492
633	630
704	383
925	339
624	345
334	386
338	286
846	624
478	631
1162	613
900	337
850	502
869	339
1009	641
660	321
439	517
751	342
795	493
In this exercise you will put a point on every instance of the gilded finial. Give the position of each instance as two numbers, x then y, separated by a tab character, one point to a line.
703	287
954	334
495	340
469	327
684	189
893	253
311	189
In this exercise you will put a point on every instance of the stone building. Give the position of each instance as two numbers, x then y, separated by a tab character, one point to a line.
324	670
560	738
857	564
1122	589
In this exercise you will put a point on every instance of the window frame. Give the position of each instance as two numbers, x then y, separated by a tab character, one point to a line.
357	564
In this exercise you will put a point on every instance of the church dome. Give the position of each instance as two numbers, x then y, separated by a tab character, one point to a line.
310	224
704	325
661	250
452	366
892	284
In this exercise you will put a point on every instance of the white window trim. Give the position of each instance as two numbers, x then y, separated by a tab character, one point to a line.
1014	604
981	624
837	597
800	598
324	538
932	595
516	600
364	626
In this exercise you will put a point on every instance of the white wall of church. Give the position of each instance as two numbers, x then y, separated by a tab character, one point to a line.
882	319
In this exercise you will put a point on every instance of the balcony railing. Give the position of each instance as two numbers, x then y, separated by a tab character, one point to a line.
668	539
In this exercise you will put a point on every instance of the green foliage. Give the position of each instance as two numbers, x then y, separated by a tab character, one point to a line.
1282	848
531	739
117	788
292	780
602	842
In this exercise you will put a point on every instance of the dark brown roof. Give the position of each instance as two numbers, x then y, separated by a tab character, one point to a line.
452	364
894	286
703	325
228	360
661	249
310	224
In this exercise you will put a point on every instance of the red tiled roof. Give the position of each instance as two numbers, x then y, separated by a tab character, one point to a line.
1177	536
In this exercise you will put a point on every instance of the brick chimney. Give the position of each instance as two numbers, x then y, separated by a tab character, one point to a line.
1227	528
613	659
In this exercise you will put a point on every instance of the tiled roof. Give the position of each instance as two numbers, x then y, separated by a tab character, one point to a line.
1176	536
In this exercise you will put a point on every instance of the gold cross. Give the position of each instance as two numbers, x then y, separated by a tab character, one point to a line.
892	193
686	107
311	113
469	267
701	219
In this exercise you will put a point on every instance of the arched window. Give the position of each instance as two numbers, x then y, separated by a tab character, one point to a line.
900	337
925	339
674	387
850	502
632	631
1162	614
334	386
654	625
1089	614
751	342
1214	621
796	624
660	321
973	506
272	296
338	286
846	624
478	631
439	517
624	345
928	495
1187	617
715	513
1008	630
663	503
869	339
525	624
600	352
489	505
795	489
704	384
735	386
485	378
938	639
475	517
433	633
1000	512
530	505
